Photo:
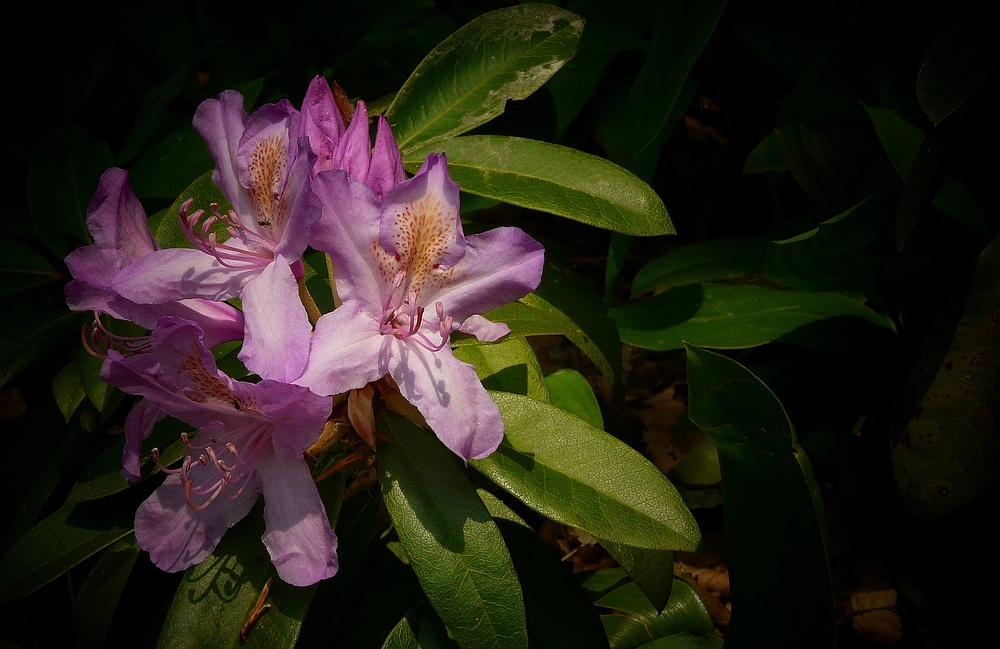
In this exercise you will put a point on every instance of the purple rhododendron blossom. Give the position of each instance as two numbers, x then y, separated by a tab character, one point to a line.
250	441
337	147
262	168
408	277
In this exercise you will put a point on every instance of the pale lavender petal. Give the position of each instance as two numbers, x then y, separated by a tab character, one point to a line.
321	123
386	169
303	207
297	535
354	151
177	536
179	273
267	147
451	398
138	425
221	122
500	266
347	352
298	414
93	270
116	219
346	231
180	351
420	220
276	345
483	329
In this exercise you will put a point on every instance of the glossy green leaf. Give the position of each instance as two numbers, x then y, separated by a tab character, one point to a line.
467	79
947	448
685	641
22	268
575	474
28	329
204	192
99	594
61	541
151	111
636	621
170	165
570	391
509	365
733	316
62	176
598	583
819	160
773	510
68	390
700	262
699	466
551	178
959	62
98	392
215	597
104	475
766	156
651	570
455	547
420	628
558	611
680	32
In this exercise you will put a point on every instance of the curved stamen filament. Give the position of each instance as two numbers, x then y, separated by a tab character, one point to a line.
199	233
103	339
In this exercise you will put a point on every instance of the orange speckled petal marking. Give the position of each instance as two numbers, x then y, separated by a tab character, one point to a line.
266	173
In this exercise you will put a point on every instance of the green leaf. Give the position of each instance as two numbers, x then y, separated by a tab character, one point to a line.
61	541
204	192
28	329
551	178
766	156
104	476
420	628
170	165
733	317
570	391
467	79
151	111
699	466
651	570
773	511
22	268
577	475
959	62
947	448
685	641
680	32
637	621
558	612
216	596
455	547
99	595
62	176
68	390
705	261
509	365
829	257
617	253
98	392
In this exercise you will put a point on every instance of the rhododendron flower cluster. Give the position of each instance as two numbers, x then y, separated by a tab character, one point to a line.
406	277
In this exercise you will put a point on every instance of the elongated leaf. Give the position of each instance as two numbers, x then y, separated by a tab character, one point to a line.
772	508
99	595
62	177
454	546
215	597
22	268
64	539
104	476
97	390
685	641
638	622
68	389
204	192
651	570
575	474
554	179
28	329
509	365
732	317
420	628
958	62
570	391
170	165
766	156
151	112
699	262
466	80
947	449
